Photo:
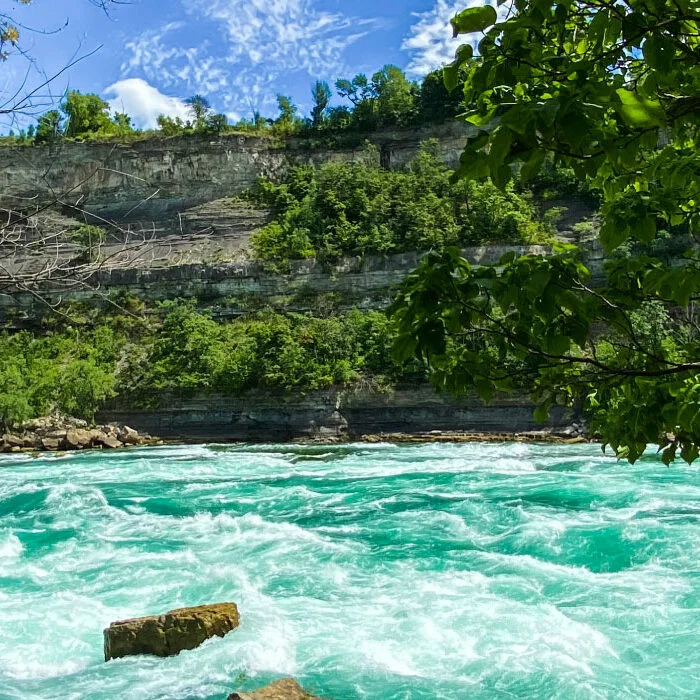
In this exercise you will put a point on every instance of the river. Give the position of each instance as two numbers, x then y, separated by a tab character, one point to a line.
364	571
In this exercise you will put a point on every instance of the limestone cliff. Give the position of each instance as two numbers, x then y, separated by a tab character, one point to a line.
175	198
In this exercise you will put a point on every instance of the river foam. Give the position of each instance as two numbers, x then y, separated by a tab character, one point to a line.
366	571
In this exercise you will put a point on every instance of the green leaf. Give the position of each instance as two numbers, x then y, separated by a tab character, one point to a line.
659	52
532	166
404	348
541	413
690	452
475	19
639	111
613	234
501	141
450	77
478	119
451	74
484	389
646	229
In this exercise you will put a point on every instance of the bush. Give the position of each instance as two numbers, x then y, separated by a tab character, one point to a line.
360	209
193	353
70	371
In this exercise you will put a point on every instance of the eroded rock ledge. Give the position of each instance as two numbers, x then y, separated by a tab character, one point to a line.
61	433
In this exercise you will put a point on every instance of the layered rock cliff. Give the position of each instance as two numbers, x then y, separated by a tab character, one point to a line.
175	230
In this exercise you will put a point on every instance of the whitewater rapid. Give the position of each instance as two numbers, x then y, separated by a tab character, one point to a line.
365	571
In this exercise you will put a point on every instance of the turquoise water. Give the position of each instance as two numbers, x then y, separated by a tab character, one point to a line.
432	571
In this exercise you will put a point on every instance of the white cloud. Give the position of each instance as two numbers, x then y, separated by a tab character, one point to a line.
143	102
251	44
431	41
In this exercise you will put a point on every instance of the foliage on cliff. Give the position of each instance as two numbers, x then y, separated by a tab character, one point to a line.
361	209
611	91
183	351
71	371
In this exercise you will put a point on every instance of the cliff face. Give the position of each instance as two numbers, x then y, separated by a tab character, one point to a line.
174	195
158	178
333	413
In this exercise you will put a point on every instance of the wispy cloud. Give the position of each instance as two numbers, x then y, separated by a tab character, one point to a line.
254	43
143	102
431	42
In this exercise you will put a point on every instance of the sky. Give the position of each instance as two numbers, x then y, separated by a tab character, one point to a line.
147	56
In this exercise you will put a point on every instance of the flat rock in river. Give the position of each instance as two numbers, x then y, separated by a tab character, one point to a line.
171	633
286	689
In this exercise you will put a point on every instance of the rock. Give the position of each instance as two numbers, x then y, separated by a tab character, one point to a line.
13	440
287	689
51	444
171	633
79	439
108	441
56	434
129	436
110	430
38	424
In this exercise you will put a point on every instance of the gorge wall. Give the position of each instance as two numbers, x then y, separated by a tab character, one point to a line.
158	178
175	196
334	413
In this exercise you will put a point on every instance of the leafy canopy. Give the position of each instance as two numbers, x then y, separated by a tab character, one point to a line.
611	90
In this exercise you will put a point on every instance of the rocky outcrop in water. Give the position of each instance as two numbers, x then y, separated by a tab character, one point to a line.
171	633
59	433
287	689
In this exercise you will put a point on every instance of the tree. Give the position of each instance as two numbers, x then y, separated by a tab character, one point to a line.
287	108
86	114
123	123
612	91
170	126
199	108
216	123
356	90
35	256
321	93
436	102
49	129
287	119
396	96
339	118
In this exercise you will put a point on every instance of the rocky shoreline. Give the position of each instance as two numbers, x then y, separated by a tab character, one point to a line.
568	436
65	434
62	434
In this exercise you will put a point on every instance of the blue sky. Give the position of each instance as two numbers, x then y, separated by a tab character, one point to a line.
238	53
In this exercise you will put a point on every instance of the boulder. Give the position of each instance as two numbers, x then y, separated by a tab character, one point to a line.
287	689
108	441
171	633
56	434
13	440
79	438
51	444
110	430
129	436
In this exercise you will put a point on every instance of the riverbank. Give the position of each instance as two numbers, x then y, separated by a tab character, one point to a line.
65	434
59	433
568	436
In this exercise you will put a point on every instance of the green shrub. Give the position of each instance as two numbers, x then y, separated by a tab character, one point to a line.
360	209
